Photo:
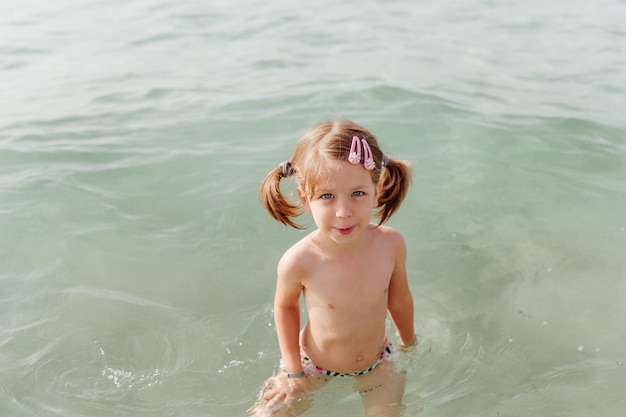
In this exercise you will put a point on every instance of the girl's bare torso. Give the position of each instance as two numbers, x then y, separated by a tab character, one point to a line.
346	301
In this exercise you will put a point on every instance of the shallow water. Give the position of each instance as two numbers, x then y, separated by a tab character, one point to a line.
137	265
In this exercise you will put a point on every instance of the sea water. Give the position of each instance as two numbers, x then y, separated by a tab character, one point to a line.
137	265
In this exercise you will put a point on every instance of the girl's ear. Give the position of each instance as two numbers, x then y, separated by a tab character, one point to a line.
305	201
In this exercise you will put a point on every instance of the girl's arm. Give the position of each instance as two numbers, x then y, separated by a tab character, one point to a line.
287	314
400	300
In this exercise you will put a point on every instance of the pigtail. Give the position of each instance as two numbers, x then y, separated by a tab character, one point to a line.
275	202
395	179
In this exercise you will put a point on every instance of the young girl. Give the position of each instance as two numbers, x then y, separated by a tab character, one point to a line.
350	271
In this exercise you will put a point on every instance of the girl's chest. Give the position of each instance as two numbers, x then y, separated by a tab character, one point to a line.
350	279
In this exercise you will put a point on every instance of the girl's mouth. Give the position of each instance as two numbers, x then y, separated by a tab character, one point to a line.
345	231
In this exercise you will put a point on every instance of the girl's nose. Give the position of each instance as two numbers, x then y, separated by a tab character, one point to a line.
343	211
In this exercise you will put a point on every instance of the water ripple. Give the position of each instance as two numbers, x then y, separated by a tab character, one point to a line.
137	263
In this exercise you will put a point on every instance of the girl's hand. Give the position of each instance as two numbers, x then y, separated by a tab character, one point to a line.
409	344
283	396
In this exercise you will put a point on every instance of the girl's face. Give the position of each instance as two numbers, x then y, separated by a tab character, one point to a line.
342	202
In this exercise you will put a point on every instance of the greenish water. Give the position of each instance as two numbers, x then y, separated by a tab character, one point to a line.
137	264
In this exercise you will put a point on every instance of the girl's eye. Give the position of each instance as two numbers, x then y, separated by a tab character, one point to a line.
358	193
326	196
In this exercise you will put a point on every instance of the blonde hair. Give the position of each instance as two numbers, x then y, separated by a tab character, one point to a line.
321	145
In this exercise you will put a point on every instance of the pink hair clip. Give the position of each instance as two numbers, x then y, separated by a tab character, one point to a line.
355	151
355	154
368	159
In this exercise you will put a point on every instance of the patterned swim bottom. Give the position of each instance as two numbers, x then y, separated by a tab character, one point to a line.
311	368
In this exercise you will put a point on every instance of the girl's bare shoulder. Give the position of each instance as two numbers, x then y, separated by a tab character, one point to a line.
388	235
297	260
